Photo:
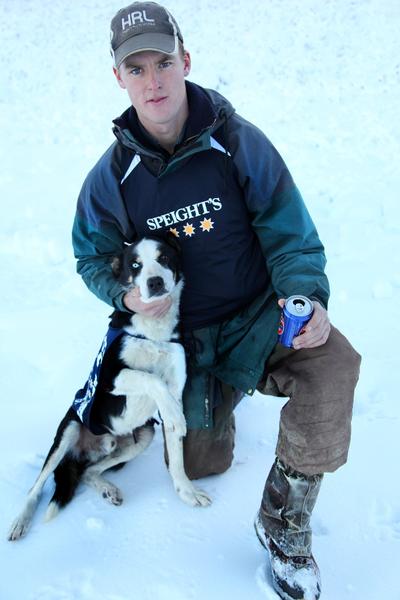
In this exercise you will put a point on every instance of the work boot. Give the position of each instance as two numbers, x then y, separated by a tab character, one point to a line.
283	527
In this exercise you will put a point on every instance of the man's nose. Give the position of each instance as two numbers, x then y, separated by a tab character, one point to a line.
154	81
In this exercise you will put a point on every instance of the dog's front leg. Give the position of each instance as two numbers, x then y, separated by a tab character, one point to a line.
174	421
183	486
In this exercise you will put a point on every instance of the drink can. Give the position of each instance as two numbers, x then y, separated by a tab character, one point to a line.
296	313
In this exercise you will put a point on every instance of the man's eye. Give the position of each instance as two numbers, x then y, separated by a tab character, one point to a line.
135	71
165	64
135	265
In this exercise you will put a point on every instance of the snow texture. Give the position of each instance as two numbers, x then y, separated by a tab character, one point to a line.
322	80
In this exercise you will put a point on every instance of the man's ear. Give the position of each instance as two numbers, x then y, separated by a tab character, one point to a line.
118	78
187	63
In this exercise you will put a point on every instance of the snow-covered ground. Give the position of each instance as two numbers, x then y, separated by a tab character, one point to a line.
321	78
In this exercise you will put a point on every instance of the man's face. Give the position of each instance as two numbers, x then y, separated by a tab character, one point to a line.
155	83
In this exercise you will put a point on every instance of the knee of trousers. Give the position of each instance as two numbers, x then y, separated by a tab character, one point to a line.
209	452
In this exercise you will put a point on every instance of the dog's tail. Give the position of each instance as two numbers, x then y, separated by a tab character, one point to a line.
67	477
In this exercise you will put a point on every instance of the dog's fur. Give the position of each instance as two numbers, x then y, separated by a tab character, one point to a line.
139	376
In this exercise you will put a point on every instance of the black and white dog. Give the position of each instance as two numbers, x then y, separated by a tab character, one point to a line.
142	371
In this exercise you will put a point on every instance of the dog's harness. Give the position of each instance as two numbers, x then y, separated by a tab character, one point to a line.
84	398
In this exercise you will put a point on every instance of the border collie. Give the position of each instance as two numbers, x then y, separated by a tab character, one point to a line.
139	370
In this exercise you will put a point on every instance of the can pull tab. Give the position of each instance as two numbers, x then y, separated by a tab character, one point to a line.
299	306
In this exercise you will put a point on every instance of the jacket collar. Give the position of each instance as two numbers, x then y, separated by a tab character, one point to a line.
207	111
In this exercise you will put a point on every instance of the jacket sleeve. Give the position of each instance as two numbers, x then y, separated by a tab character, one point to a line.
294	253
101	226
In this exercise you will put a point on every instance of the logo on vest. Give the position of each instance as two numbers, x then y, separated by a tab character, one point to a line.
137	16
189	214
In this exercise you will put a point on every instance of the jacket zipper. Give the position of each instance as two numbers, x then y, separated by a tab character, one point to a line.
207	412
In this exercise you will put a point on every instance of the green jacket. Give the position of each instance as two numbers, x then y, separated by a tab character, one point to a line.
218	145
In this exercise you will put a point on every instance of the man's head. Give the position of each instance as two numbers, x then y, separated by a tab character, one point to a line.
144	26
151	64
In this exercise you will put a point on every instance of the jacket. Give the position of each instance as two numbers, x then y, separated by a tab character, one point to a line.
246	235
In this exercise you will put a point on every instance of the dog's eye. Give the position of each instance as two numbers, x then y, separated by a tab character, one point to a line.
164	259
135	265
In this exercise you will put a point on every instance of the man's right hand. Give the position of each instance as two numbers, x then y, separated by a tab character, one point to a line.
155	309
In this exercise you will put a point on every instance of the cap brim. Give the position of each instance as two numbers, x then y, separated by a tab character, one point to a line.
159	42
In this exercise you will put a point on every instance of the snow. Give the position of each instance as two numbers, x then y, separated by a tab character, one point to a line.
322	80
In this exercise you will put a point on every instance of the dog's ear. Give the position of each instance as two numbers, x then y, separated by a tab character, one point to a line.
172	241
116	265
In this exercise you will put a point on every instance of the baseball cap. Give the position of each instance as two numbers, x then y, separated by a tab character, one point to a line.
143	26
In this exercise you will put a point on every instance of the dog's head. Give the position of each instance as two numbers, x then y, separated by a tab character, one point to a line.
152	264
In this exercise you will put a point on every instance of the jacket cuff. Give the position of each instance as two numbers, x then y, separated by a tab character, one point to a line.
119	305
321	302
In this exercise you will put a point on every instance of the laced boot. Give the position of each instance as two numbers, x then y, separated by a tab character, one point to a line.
283	527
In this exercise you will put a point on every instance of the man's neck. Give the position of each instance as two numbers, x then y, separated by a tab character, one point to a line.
167	135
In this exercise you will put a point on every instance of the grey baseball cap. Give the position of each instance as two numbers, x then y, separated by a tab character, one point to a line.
143	26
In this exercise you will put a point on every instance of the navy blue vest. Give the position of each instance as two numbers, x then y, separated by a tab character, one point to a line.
84	398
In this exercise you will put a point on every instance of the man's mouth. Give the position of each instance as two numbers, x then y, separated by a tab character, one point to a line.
157	100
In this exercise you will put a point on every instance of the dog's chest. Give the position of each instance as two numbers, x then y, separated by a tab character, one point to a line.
147	365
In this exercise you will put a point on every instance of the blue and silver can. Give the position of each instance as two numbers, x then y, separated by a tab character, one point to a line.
296	313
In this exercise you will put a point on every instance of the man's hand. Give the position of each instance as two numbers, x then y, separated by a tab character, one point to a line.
316	331
155	309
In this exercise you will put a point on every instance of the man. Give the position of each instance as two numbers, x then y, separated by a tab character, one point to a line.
185	162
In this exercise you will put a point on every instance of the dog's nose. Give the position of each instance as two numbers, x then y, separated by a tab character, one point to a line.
155	285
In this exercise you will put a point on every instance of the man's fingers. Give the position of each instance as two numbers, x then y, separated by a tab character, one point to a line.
135	292
312	339
156	309
317	330
318	319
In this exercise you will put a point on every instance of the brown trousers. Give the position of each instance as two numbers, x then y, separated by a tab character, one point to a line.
315	423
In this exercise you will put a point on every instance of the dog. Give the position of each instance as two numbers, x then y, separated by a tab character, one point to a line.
141	371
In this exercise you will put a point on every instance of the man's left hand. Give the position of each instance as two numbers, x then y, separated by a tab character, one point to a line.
316	331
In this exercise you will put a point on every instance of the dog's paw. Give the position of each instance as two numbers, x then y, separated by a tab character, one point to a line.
112	494
193	496
18	529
